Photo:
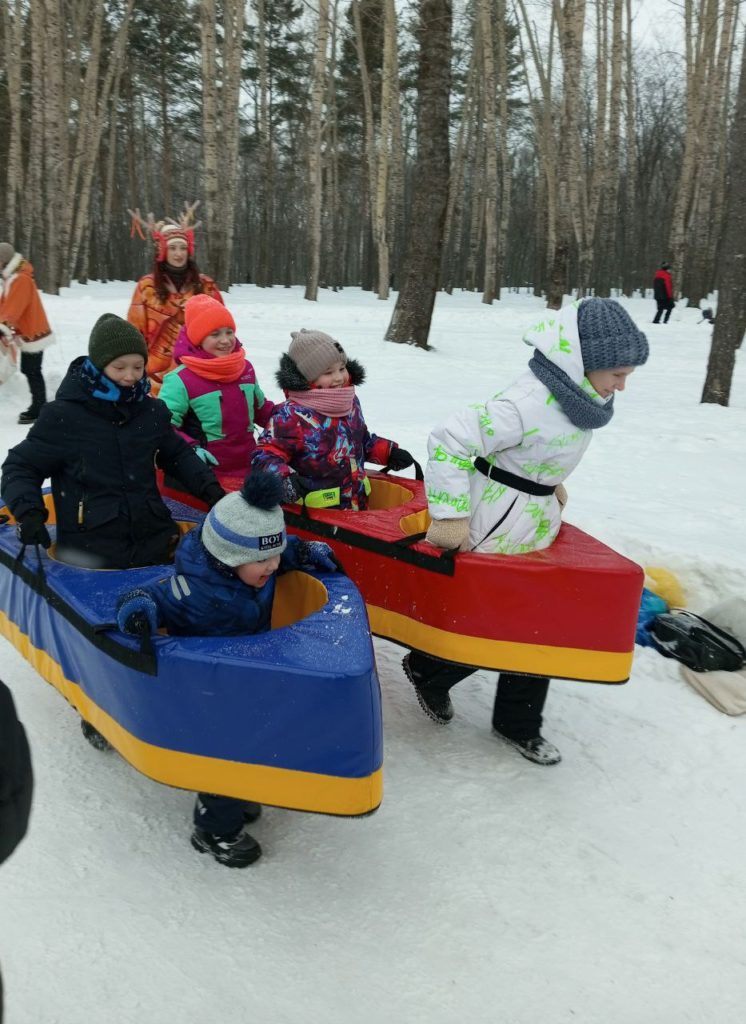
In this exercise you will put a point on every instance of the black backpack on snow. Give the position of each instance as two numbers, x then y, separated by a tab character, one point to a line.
697	643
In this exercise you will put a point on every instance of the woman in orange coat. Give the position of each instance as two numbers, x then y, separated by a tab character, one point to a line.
157	306
24	322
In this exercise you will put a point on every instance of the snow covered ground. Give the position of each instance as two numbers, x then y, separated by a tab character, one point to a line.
607	890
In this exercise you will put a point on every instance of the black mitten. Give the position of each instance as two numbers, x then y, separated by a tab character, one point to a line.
31	529
399	459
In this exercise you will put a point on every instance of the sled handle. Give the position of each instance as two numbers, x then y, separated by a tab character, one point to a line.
146	640
418	474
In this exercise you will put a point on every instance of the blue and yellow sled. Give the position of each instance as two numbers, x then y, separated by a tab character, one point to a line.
291	717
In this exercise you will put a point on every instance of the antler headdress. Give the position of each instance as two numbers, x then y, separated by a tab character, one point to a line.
164	231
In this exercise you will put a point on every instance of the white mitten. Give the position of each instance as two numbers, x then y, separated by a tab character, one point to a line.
449	534
561	495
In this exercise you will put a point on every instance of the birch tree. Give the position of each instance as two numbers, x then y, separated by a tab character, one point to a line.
314	145
221	82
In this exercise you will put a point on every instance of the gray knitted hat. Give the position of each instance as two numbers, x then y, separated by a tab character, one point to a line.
608	336
7	252
247	525
313	352
113	337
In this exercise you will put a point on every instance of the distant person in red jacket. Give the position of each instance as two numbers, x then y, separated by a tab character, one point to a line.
663	292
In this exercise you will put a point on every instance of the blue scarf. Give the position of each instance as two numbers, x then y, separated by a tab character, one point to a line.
581	409
101	386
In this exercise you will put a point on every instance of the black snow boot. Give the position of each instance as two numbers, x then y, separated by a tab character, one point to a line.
537	749
237	850
436	705
93	736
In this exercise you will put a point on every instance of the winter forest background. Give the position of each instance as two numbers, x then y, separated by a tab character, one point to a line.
565	146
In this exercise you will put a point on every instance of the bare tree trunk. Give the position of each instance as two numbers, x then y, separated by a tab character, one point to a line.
369	146
476	211
454	220
330	212
389	101
506	162
730	321
221	82
555	265
485	47
410	322
266	191
606	223
631	251
700	36
13	34
703	230
315	175
570	212
396	186
55	145
97	110
32	213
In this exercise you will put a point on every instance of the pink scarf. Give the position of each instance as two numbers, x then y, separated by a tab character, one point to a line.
327	401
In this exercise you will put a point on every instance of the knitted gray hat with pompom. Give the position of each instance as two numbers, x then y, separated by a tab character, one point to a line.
313	352
247	525
608	336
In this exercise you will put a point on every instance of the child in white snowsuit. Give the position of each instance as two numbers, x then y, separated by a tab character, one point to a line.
225	586
495	473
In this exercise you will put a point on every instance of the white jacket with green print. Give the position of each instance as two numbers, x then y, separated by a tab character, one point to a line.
522	430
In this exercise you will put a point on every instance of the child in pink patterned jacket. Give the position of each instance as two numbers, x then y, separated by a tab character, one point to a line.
318	440
213	394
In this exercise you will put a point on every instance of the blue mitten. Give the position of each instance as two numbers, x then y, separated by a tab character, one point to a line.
207	457
318	555
137	613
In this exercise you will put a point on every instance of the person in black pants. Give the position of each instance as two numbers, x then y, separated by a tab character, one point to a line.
663	293
494	481
516	714
23	323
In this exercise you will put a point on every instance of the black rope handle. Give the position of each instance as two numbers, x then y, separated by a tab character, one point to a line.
418	474
146	640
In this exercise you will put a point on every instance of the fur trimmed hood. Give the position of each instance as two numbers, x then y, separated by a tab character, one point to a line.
290	378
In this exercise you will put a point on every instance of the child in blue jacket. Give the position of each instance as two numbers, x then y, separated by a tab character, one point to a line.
224	586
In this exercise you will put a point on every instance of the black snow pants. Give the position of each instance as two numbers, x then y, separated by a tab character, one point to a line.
519	700
31	369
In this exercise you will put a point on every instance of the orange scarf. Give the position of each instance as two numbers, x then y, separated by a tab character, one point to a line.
225	369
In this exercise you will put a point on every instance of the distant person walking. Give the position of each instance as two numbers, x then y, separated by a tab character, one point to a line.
24	322
663	292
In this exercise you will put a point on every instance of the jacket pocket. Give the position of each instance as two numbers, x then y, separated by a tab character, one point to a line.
91	513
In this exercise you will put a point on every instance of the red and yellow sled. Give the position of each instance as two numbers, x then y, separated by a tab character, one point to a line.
569	611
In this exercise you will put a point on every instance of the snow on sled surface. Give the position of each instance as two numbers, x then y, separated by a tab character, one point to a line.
569	611
291	717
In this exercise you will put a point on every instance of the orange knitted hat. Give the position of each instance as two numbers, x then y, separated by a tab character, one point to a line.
203	315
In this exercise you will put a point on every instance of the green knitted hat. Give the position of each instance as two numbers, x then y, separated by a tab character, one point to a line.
113	337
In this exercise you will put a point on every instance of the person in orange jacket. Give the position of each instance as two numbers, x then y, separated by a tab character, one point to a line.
157	306
24	322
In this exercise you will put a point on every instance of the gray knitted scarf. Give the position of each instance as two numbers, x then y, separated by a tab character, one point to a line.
579	407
